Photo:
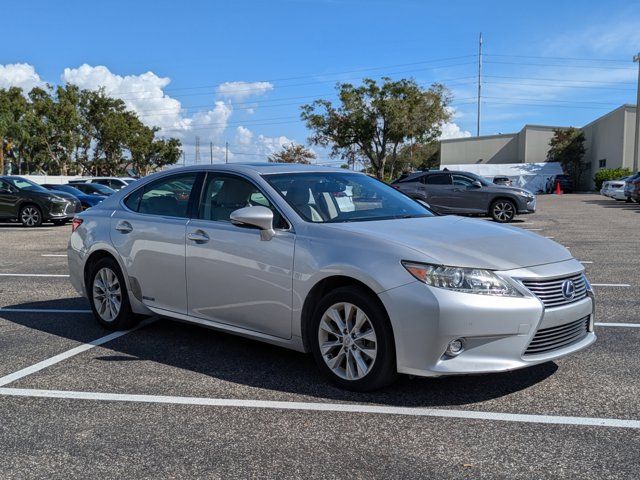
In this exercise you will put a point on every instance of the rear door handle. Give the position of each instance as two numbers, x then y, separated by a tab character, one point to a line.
124	227
198	236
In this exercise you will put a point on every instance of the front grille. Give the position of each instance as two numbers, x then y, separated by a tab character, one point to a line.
550	291
553	338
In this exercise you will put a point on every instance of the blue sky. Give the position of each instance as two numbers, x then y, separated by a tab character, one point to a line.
237	71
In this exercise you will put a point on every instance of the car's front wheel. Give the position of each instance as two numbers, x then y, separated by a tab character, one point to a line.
503	211
30	216
353	341
108	296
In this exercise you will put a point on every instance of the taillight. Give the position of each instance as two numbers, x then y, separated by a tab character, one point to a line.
75	224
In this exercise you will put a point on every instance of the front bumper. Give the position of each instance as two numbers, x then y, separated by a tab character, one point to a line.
63	211
496	330
527	207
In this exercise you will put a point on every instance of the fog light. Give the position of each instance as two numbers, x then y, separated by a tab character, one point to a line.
455	347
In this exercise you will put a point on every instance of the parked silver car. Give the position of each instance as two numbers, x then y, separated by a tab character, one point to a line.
373	286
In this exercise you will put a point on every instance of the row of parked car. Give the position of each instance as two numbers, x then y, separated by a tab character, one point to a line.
32	204
625	189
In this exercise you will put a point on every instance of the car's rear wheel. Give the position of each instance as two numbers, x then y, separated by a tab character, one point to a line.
108	296
503	211
353	341
30	216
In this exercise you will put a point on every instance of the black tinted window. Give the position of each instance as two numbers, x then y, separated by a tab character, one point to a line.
438	179
168	196
462	181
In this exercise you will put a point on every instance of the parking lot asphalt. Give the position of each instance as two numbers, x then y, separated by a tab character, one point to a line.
180	401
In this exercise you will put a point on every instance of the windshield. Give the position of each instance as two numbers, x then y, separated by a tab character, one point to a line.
24	184
68	189
103	189
335	197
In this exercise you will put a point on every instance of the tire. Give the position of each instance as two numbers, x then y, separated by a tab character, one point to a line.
354	369
118	315
30	216
503	210
59	222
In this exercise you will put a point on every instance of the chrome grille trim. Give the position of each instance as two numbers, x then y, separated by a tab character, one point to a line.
550	291
549	339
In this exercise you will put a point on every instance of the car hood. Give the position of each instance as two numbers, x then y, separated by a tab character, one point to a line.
463	242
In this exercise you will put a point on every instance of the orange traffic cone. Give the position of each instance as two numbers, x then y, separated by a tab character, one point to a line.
558	189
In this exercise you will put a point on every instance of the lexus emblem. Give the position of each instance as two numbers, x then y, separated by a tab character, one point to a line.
568	289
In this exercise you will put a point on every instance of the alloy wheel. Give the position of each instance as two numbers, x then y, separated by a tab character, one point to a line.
107	294
347	341
30	216
503	211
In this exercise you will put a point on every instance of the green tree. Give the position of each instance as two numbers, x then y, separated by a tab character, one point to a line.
293	153
372	122
13	109
418	156
148	153
567	147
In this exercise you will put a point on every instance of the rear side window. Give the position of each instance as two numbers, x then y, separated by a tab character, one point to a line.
438	179
168	196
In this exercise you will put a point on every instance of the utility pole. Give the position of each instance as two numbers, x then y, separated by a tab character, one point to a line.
211	152
197	150
184	158
479	81
637	135
226	152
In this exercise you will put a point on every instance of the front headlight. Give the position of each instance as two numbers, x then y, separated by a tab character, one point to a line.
465	280
56	200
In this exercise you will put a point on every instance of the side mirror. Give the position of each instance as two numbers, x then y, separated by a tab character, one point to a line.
476	184
258	217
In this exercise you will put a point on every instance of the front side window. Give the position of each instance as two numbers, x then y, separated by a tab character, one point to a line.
462	181
438	179
223	194
168	196
334	197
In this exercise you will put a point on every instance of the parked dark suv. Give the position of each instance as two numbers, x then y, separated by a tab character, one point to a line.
467	193
632	188
32	204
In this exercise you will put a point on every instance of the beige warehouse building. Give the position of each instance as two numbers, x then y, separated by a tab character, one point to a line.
609	144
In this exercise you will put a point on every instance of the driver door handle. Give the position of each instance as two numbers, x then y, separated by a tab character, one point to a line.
198	236
124	227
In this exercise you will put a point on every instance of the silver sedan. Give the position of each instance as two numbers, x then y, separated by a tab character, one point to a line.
331	262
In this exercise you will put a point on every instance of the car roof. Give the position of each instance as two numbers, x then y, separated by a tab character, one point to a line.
262	168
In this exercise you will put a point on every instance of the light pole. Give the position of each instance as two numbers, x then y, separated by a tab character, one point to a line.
635	145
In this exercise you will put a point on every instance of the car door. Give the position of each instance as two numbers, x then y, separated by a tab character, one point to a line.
438	190
468	197
233	276
9	199
149	235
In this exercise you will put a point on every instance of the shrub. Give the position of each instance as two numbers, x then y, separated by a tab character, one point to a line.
605	174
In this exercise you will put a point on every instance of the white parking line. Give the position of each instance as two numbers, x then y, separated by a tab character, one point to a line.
550	237
42	310
326	407
585	262
533	229
31	275
610	285
68	354
624	325
53	255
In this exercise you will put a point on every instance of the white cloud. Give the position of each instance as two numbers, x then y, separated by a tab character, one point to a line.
452	130
244	136
241	90
20	75
144	94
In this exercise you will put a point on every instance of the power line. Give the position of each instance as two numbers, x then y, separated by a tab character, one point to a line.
558	65
582	59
